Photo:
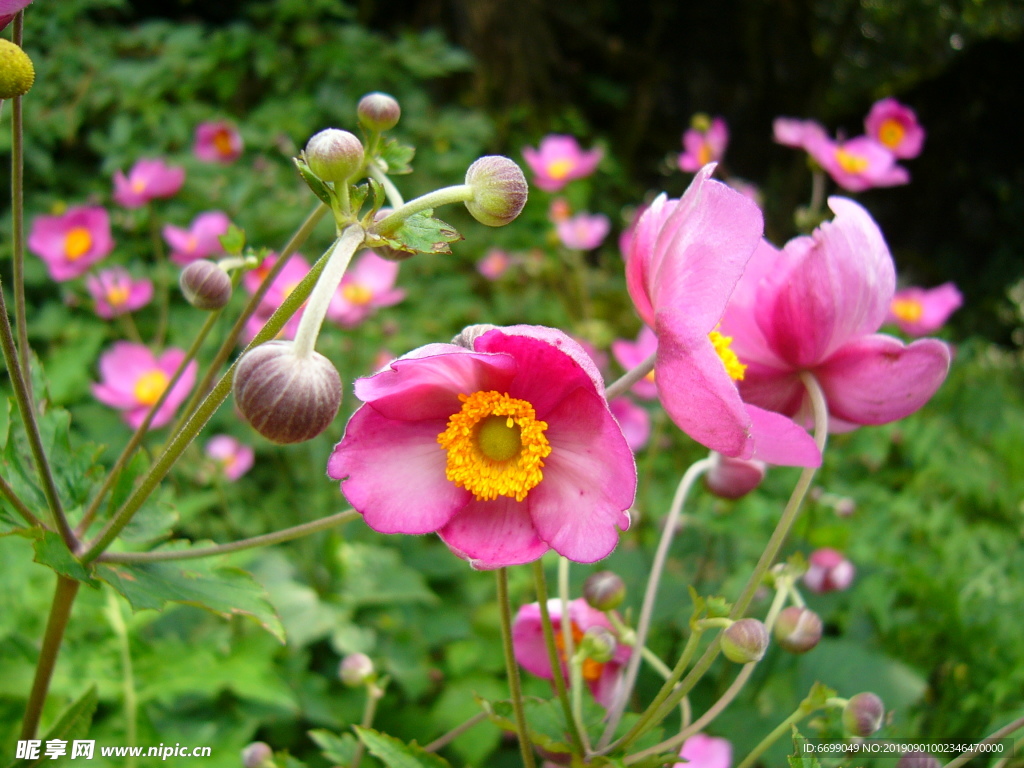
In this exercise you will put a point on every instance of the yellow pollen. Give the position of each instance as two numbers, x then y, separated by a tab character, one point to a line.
138	186
733	366
496	446
77	242
704	153
650	377
559	169
850	162
117	294
222	143
907	310
356	293
891	132
151	386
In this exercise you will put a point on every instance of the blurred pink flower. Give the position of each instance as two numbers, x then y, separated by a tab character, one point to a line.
560	160
702	751
133	379
494	264
9	9
634	421
559	210
72	242
147	180
290	276
630	354
703	143
857	164
828	571
895	127
200	240
234	457
367	285
791	132
584	231
920	311
733	478
115	292
217	142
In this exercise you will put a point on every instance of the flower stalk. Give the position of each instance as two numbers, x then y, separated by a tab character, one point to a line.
338	258
458	193
512	668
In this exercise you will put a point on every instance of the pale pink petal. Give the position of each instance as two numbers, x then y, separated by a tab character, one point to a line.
775	389
778	440
373	272
493	534
702	751
528	637
740	319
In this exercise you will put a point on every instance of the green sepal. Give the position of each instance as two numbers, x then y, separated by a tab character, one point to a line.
320	189
233	241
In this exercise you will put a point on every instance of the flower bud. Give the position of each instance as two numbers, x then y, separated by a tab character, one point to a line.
499	190
286	398
378	112
863	714
205	285
598	644
471	333
798	629
745	641
257	755
334	155
356	669
16	71
604	590
734	478
828	571
917	760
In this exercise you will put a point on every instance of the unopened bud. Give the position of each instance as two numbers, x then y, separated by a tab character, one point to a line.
286	398
468	335
499	190
863	714
734	478
378	112
745	641
798	629
334	155
356	669
205	285
917	760
604	590
828	571
257	755
598	644
16	71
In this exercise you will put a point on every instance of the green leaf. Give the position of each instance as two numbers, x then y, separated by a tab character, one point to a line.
233	241
817	697
357	196
156	518
799	759
544	721
396	157
378	194
50	551
395	753
337	749
376	576
422	233
313	181
72	724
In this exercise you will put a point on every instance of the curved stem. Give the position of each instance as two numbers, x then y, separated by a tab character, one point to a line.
621	385
459	193
1006	730
18	217
19	506
455	732
338	257
777	733
373	695
817	191
390	190
512	668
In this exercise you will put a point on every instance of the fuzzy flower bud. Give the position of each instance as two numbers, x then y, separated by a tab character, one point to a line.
257	755
604	590
863	714
16	71
734	478
378	112
917	760
205	285
745	641
334	155
598	644
471	333
499	190
798	629
356	669
286	398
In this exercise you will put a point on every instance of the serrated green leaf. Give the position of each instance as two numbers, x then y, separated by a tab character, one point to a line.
396	157
545	722
233	241
51	552
395	753
337	749
73	724
313	181
422	233
156	518
798	759
377	576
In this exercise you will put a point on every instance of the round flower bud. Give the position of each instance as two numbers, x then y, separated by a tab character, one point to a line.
828	571
863	714
734	478
378	112
798	629
205	285
257	755
16	71
599	644
355	670
471	333
499	190
745	641
604	590
334	155
286	398
917	760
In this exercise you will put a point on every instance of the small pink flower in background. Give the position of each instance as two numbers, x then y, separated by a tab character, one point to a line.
895	127
828	571
532	458
560	160
367	285
920	311
290	276
115	292
9	9
634	421
147	180
748	189
233	457
559	210
200	240
702	751
133	379
532	655
630	354
494	264
791	132
217	142
72	242
584	231
858	164
703	143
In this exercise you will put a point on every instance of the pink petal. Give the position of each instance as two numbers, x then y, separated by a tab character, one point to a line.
775	389
701	751
373	272
634	421
778	440
493	534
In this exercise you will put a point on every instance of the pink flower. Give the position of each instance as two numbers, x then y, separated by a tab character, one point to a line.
630	354
791	132
920	311
704	143
505	447
133	379
857	164
368	285
895	127
634	421
9	9
532	655
217	142
147	180
234	458
560	160
290	276
828	571
494	264
584	231
559	210
685	258
702	751
72	242
115	292
815	306
200	240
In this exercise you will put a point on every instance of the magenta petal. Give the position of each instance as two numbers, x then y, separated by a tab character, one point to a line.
778	440
774	389
493	534
877	379
395	472
528	637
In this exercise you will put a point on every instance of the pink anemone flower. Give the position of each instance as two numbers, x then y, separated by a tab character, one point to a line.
147	180
502	444
115	292
815	306
828	570
895	127
685	258
200	240
703	751
72	242
9	9
857	164
494	264
920	311
792	132
602	679
368	285
289	277
630	354
634	420
584	231
133	379
217	141
559	160
704	143
235	458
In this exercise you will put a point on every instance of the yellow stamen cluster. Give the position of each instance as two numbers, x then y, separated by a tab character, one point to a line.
77	243
733	366
559	169
591	669
907	310
222	142
356	293
150	386
117	294
850	162
496	446
891	133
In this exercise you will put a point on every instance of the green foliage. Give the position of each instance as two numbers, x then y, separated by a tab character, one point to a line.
396	754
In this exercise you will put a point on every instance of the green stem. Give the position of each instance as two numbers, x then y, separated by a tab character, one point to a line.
338	257
373	695
18	218
455	732
1003	732
779	731
621	385
390	190
817	191
576	674
459	193
512	668
19	506
131	706
131	330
